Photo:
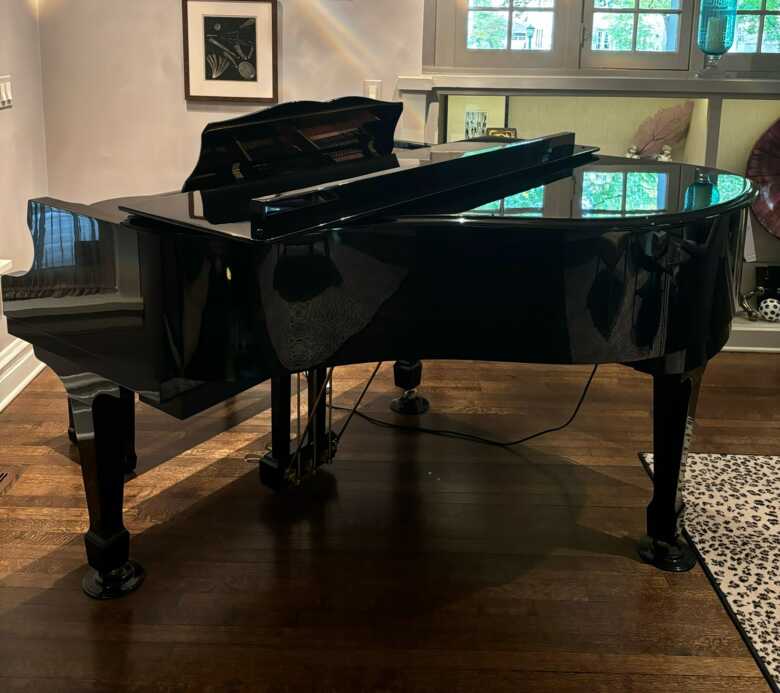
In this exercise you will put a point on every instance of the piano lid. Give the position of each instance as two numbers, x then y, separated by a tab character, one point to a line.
296	212
297	144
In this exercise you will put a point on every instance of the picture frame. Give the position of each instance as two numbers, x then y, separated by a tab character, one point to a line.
509	133
231	51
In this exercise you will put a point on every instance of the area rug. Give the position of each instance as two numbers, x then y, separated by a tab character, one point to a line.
732	518
6	480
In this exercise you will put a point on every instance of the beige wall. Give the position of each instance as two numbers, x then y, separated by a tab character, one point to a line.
116	119
23	163
602	121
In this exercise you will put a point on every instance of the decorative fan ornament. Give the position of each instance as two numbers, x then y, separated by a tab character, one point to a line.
764	169
664	128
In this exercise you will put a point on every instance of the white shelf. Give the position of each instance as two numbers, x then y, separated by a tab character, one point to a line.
749	335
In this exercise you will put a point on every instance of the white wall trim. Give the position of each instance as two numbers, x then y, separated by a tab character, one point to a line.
18	367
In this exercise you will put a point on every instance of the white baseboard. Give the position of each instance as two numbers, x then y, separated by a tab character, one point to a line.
18	366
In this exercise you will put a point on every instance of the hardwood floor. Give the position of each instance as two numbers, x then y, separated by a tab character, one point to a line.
415	563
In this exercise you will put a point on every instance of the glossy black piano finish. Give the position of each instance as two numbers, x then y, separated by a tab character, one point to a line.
606	261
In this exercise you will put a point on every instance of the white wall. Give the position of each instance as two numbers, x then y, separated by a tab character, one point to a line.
116	119
22	143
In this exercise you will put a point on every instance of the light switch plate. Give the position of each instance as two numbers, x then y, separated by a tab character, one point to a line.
6	93
372	88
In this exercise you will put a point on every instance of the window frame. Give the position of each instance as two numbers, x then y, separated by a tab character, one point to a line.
633	59
440	55
757	62
562	54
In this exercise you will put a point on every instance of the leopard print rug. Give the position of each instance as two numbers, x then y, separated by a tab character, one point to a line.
732	516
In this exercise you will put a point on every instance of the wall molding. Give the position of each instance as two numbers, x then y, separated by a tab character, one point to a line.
18	367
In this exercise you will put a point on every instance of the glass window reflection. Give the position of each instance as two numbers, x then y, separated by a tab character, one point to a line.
529	203
607	192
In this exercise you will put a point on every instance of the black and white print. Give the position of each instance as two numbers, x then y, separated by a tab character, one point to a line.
230	48
732	515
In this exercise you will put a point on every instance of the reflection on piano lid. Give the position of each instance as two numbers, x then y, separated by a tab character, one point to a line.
397	191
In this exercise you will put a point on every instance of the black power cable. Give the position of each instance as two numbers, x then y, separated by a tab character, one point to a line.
459	435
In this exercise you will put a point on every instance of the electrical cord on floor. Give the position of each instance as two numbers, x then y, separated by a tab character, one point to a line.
459	435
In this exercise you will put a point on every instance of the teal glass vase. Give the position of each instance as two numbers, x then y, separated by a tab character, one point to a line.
717	23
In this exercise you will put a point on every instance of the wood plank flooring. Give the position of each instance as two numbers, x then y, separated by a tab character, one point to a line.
414	563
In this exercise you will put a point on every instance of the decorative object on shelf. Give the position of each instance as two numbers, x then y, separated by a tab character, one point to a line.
665	128
665	154
509	133
631	152
764	169
230	50
476	124
770	309
715	35
767	292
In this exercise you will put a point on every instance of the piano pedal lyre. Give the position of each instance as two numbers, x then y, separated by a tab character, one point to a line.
314	444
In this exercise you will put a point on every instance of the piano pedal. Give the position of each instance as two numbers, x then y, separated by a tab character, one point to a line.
294	470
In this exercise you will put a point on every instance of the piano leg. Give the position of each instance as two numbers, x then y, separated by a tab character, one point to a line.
102	420
408	376
674	410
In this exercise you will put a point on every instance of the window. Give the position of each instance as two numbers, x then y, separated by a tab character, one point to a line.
637	33
507	33
563	34
526	25
758	27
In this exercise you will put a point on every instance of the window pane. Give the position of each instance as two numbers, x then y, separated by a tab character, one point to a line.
770	41
488	3
488	30
657	32
602	191
748	4
646	192
532	31
773	5
612	31
746	34
660	4
530	199
490	208
534	3
614	4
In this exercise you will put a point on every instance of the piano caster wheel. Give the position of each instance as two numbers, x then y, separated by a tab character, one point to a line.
115	584
673	558
410	404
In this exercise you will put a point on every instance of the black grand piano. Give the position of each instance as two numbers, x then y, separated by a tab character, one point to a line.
306	239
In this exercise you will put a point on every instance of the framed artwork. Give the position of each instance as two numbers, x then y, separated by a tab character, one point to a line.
476	124
230	50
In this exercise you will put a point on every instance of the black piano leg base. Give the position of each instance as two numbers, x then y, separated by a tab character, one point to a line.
408	376
114	584
676	557
410	403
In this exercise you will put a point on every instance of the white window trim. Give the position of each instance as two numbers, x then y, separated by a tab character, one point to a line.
642	60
